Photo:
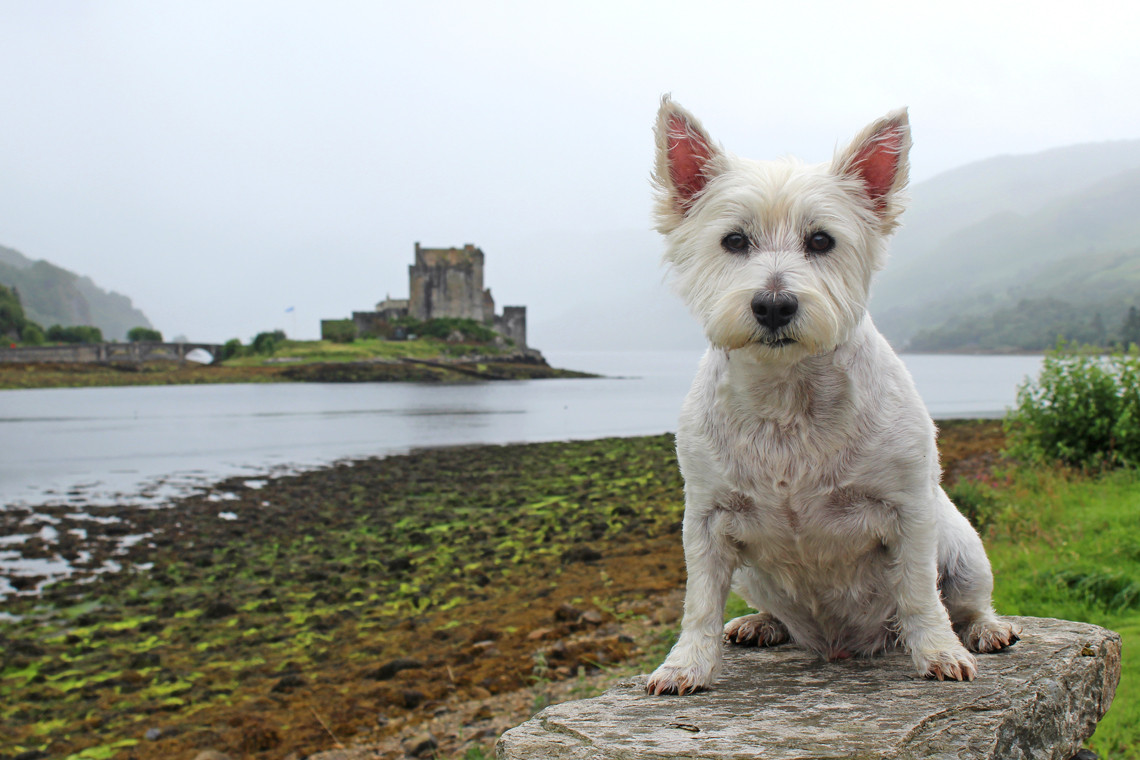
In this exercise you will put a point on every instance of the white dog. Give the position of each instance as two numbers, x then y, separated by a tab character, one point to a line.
811	473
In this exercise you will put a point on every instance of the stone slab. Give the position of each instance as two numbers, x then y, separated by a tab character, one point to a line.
1040	699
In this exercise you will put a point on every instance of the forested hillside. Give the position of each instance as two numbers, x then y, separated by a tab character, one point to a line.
1010	253
51	295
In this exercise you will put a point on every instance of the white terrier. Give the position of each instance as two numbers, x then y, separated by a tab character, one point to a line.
811	473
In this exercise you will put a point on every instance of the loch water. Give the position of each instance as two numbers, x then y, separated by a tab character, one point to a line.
90	446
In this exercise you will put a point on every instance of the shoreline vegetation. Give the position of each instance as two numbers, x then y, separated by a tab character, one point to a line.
422	604
423	360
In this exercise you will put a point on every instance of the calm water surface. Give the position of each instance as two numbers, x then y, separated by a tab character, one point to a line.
145	444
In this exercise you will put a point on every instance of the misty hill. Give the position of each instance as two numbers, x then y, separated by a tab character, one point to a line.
52	295
1016	245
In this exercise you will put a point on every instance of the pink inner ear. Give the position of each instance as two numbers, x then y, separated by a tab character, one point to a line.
688	155
877	163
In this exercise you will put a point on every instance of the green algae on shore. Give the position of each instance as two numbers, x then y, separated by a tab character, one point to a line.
296	593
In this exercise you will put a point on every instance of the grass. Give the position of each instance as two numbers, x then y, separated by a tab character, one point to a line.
366	349
1068	546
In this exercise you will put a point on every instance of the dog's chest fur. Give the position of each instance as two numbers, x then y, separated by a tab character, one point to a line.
796	466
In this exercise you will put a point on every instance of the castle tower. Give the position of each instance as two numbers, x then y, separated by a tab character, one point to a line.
448	282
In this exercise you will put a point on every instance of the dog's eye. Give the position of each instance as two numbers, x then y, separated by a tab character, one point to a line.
735	242
819	242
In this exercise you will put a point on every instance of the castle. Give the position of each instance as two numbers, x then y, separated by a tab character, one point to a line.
443	282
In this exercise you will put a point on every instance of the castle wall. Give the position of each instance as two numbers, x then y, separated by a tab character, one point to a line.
488	308
512	324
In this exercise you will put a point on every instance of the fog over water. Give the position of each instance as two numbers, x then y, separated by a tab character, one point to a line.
223	161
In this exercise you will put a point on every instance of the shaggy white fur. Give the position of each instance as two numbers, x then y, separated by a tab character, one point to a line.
811	473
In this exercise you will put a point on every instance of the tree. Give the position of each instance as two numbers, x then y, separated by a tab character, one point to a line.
32	334
11	314
1130	330
266	343
140	334
74	334
232	348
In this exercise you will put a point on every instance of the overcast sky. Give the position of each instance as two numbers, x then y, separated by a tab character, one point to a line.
220	162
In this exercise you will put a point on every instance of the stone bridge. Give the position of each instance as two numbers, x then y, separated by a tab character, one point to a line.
90	353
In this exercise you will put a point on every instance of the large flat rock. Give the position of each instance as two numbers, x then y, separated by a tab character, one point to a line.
1039	699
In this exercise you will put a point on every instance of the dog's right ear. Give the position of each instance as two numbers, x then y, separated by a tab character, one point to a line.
687	159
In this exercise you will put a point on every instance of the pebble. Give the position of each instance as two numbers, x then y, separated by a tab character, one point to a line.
566	612
422	745
211	754
591	617
392	667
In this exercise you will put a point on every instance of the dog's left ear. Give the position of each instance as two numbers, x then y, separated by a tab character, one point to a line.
877	160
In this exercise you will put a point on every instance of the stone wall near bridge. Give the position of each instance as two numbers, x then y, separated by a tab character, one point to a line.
92	353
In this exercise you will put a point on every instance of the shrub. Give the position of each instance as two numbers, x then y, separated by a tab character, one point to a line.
1083	410
74	334
265	343
140	334
232	348
338	330
12	318
32	334
468	330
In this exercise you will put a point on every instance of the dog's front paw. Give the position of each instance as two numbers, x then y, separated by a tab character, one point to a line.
758	630
668	679
990	634
952	664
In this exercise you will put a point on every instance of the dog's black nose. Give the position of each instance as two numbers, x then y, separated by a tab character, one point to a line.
774	311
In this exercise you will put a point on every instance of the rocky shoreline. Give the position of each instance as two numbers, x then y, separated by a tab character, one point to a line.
416	604
520	366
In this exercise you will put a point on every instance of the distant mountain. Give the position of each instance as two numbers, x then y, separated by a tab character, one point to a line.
52	295
981	241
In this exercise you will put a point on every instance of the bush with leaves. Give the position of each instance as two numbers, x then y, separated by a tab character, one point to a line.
74	334
444	328
232	348
12	318
266	343
338	330
140	334
32	334
1083	410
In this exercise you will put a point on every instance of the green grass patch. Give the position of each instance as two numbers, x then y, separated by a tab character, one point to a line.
364	349
1068	546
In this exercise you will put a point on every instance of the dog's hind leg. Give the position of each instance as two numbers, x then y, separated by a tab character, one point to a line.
966	583
761	629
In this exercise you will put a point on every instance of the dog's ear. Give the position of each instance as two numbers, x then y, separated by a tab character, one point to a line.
687	159
877	160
